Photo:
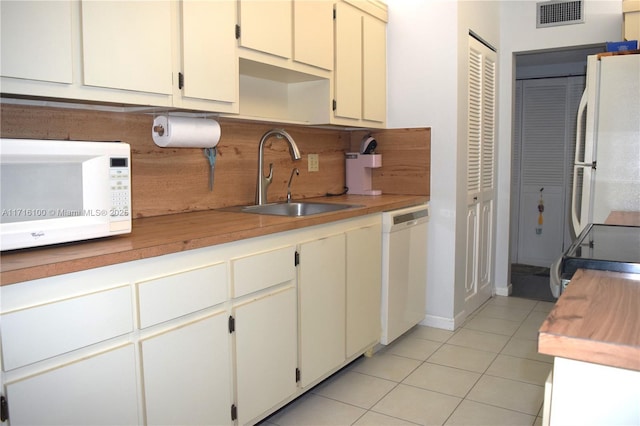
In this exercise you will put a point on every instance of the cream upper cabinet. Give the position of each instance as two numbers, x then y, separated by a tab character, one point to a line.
207	76
348	68
127	45
313	32
297	32
266	26
34	33
179	53
374	69
360	64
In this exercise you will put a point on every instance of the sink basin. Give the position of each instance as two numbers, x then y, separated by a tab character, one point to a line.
295	209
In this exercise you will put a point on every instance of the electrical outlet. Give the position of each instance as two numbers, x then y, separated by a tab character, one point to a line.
313	163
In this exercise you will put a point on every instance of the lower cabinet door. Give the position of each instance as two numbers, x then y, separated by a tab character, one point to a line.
321	283
266	352
187	374
364	281
85	392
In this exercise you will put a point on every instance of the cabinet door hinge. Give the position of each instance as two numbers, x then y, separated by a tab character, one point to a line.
180	80
335	105
297	375
296	258
334	14
237	31
234	412
4	409
232	324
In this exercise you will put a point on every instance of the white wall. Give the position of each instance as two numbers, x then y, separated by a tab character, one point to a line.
427	55
422	92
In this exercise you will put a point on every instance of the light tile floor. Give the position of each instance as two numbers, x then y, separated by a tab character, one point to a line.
488	372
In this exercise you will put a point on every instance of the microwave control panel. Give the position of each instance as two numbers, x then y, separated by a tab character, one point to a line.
120	182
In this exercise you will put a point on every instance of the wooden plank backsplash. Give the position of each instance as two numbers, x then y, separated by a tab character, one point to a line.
176	180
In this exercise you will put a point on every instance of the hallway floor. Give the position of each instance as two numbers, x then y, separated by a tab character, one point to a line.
488	372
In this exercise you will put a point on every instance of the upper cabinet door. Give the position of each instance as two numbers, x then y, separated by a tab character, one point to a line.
348	69
374	67
34	33
266	25
209	60
313	32
127	45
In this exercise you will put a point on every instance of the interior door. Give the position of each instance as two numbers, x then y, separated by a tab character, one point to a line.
480	174
545	147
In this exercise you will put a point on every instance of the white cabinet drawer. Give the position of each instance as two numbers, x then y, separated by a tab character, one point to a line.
44	331
262	270
175	295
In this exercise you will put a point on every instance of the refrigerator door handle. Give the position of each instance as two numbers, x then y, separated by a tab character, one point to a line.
581	109
555	282
575	221
578	223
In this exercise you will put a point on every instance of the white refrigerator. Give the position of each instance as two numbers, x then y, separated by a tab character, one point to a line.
606	171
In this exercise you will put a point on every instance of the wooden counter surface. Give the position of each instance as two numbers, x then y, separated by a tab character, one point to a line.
623	218
596	319
156	236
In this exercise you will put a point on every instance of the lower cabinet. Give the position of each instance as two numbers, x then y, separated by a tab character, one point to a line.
339	286
321	284
187	373
364	281
266	352
98	390
264	312
220	335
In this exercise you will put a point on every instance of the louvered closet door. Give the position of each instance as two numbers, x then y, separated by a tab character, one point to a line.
515	173
548	130
480	174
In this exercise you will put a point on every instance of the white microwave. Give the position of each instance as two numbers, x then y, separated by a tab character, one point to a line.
54	191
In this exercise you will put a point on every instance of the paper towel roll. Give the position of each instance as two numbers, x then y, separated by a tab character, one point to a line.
185	132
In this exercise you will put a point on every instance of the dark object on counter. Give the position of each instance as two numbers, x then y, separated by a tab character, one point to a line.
344	191
368	145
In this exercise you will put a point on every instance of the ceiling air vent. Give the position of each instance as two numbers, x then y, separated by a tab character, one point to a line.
553	13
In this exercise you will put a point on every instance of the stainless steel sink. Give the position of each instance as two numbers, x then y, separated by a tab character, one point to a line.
295	209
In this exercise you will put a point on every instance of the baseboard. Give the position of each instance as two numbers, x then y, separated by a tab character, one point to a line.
504	291
443	322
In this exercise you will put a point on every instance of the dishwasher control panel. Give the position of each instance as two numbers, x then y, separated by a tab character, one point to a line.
409	216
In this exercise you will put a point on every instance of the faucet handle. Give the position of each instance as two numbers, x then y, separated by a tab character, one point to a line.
296	172
270	177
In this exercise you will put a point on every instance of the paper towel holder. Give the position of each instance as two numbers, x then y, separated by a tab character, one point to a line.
159	129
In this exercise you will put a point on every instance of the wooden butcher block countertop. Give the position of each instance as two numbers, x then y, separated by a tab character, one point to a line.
160	235
596	319
623	218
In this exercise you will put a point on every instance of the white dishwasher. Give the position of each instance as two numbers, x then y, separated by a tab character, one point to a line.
404	270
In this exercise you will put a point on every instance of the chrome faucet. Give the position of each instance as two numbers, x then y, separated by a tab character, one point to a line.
297	172
264	182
